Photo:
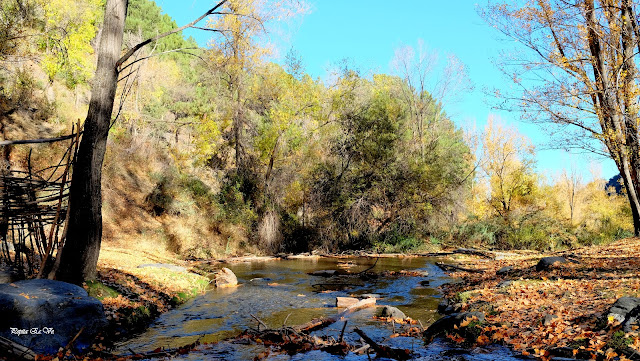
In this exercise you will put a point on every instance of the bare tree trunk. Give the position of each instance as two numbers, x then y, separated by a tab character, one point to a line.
81	249
629	91
619	145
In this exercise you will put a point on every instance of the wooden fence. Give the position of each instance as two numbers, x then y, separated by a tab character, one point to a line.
33	209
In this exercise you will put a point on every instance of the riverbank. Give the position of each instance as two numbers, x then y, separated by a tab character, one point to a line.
552	312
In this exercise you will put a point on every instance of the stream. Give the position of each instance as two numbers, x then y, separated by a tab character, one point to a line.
282	290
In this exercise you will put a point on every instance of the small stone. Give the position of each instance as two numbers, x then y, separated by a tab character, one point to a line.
391	312
548	319
327	273
548	262
344	302
448	323
504	270
226	278
445	307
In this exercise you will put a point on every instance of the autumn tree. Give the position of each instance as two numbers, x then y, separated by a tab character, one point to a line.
571	183
507	162
579	76
79	257
373	186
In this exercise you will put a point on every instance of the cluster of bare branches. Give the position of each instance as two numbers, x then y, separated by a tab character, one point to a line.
33	210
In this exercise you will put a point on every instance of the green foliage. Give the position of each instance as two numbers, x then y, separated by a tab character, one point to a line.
618	341
236	198
376	186
70	27
100	291
146	20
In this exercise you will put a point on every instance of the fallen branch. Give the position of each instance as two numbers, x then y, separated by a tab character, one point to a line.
157	353
452	268
16	350
370	268
320	323
382	350
260	322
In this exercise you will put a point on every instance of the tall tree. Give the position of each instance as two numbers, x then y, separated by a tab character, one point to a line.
240	47
79	256
580	75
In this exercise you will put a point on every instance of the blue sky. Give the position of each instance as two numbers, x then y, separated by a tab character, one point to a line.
367	32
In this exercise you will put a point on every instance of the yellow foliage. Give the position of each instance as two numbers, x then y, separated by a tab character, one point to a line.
508	162
70	25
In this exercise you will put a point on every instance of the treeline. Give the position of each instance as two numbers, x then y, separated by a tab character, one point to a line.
217	151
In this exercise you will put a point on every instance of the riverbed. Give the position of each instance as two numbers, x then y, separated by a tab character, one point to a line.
282	292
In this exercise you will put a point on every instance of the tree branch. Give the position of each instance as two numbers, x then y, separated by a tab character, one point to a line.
139	46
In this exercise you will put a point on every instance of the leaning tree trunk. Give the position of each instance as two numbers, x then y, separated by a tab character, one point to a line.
82	246
630	100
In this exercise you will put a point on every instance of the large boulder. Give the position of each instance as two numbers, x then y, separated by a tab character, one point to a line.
447	324
548	262
45	315
625	310
226	278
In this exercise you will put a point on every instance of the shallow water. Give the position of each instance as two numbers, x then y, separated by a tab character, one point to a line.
280	291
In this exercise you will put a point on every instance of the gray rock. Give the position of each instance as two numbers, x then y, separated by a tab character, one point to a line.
342	302
548	319
446	307
547	262
504	284
447	323
45	315
328	273
171	267
226	278
392	312
625	310
504	270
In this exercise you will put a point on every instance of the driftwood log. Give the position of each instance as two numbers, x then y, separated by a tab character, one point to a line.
382	350
13	349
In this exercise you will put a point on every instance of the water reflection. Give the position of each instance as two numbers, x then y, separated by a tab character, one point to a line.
280	292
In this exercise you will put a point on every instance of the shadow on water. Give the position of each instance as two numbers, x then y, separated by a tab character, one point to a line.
282	291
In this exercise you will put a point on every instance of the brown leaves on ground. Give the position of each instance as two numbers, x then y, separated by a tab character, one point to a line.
577	294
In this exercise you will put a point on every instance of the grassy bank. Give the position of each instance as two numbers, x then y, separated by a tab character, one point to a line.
134	296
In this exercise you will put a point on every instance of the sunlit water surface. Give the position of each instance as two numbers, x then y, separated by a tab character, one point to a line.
280	291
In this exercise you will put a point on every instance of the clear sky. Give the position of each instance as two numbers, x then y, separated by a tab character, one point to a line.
367	32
